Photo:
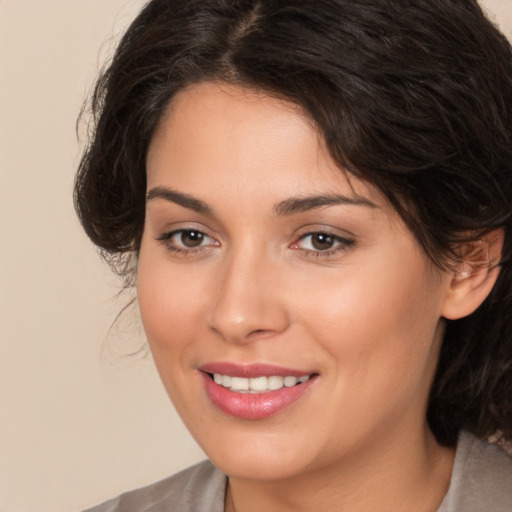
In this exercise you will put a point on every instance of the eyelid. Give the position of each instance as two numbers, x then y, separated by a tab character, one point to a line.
327	229
341	243
166	239
338	238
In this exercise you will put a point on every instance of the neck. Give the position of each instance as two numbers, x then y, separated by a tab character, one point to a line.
397	474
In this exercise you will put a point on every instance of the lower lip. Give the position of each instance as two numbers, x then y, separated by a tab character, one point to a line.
254	406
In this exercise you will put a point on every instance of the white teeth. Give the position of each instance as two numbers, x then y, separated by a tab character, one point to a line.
258	384
275	383
239	384
290	381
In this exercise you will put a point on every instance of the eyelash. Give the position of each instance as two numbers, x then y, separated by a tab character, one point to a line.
341	244
166	240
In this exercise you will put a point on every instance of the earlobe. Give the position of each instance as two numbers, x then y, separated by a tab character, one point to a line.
474	275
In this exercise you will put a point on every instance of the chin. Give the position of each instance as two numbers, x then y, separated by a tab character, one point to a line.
257	453
254	465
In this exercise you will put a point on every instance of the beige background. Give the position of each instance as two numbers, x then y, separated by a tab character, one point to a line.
78	423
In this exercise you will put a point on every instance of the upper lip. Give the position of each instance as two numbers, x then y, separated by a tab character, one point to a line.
251	370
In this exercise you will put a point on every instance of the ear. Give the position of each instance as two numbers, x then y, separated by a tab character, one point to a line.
474	275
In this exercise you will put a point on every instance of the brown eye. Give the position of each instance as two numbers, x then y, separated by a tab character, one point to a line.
322	241
191	239
187	242
322	244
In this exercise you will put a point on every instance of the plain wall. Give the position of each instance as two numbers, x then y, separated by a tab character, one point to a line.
78	423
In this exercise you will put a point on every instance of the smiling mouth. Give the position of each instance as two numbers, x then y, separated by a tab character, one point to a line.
255	391
257	385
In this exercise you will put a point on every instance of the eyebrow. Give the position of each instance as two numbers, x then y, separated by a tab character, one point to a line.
290	206
184	200
301	204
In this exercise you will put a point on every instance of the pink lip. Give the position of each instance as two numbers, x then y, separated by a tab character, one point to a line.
251	370
258	405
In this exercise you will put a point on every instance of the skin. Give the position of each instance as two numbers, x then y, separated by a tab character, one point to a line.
365	314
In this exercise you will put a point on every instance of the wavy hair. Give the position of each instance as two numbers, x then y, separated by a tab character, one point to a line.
413	96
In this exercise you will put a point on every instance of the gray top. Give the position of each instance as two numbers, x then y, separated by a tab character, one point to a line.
481	478
200	488
481	482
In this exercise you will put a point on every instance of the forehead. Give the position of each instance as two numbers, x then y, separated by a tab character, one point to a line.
217	117
246	138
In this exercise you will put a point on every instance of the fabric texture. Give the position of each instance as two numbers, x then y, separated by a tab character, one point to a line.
481	478
200	488
481	482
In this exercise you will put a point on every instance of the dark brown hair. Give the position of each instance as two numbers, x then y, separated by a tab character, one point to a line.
413	96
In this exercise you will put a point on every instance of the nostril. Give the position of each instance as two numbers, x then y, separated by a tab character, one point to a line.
260	333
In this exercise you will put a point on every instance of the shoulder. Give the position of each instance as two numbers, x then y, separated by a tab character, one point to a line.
200	488
481	478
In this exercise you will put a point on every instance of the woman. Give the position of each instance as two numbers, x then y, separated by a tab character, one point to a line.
314	201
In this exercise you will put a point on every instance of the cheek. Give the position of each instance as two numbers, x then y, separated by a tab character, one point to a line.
377	326
379	341
170	305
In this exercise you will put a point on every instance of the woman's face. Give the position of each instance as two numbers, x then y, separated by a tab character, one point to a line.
262	267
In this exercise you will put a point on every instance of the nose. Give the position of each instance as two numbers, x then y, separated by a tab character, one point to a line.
249	302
